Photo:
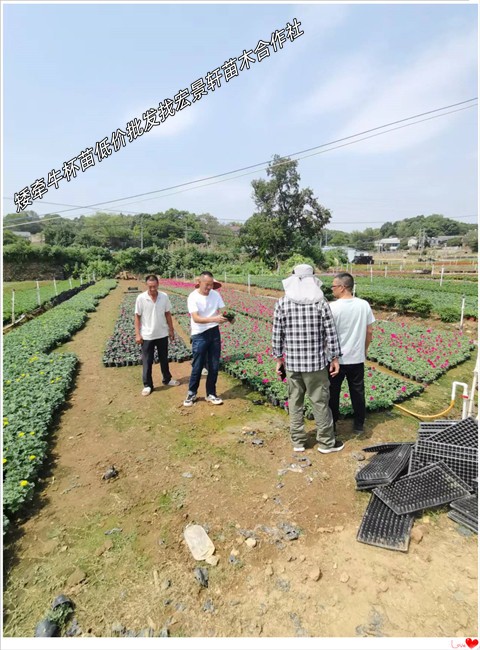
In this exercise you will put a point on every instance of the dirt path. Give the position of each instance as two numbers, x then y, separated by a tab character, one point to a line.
199	465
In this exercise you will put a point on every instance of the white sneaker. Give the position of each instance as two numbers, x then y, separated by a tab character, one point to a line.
204	371
189	400
173	382
214	400
146	391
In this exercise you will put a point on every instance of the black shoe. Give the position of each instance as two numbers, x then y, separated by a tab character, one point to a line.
338	446
358	429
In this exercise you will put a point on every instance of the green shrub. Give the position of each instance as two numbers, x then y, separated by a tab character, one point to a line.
421	306
449	315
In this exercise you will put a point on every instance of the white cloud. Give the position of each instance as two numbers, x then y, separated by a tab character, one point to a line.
442	75
316	22
354	78
175	125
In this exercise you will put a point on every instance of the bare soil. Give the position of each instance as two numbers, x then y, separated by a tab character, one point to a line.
179	465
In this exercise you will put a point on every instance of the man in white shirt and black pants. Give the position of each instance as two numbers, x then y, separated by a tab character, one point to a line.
203	306
153	327
353	320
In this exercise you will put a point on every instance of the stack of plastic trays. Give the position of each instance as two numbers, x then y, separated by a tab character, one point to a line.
430	486
465	511
456	446
384	467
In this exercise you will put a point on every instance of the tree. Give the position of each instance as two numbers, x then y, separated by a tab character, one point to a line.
388	230
10	238
60	233
287	216
336	238
30	220
471	239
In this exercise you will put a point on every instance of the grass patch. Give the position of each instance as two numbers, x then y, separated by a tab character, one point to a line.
186	444
172	500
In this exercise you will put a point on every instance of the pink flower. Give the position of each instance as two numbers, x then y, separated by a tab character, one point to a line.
404	388
374	387
371	398
346	395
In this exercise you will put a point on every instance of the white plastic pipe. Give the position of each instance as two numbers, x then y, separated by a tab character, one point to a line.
471	402
463	312
464	396
38	294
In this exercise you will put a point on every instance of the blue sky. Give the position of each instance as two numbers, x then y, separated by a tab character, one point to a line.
73	74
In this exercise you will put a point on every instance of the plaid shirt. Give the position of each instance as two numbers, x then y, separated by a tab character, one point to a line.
306	334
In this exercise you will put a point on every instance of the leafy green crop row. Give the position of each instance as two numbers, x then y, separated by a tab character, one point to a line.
417	296
26	299
35	384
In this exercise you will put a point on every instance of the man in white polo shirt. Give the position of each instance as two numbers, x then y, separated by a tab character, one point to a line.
153	327
203	306
353	320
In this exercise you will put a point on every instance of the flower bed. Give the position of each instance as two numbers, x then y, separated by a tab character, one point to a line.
381	390
420	353
35	384
123	350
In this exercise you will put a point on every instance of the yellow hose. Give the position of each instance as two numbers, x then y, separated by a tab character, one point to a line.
426	417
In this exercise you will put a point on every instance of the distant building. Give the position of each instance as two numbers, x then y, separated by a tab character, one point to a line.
388	244
412	243
350	252
25	235
442	240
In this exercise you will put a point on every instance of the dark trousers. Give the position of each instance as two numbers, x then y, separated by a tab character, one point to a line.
148	350
205	349
354	373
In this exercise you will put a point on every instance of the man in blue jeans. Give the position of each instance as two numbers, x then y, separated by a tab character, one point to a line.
203	306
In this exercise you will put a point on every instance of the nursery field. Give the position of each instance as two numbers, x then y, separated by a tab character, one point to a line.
72	409
412	295
28	297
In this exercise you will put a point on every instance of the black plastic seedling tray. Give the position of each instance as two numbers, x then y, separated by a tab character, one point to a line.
463	520
428	429
385	467
438	424
381	447
382	527
463	434
430	486
467	506
461	460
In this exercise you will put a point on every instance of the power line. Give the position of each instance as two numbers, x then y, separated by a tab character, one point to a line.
291	156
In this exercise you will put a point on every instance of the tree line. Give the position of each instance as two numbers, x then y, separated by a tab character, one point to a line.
288	221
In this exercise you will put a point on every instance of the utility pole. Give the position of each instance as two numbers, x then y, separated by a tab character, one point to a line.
141	232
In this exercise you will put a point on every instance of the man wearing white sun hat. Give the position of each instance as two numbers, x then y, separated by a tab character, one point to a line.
306	345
